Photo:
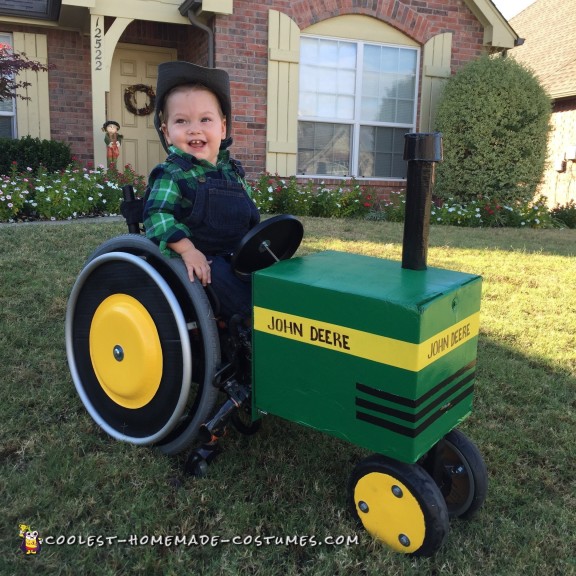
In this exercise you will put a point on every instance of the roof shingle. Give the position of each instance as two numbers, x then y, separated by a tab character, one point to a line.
549	30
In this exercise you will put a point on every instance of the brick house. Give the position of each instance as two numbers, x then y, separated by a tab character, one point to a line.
321	89
551	57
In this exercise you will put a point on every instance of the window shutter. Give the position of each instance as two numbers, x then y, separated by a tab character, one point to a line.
282	113
33	116
436	70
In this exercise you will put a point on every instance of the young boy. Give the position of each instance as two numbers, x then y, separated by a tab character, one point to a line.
199	205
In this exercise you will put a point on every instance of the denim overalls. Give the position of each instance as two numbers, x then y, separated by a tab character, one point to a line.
221	214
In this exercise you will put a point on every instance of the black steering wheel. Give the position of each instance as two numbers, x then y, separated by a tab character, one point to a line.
272	240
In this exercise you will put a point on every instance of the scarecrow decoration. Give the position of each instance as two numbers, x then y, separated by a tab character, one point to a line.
113	139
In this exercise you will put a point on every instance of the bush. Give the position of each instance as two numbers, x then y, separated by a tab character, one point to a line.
76	192
32	153
566	214
494	117
487	213
276	195
391	210
66	194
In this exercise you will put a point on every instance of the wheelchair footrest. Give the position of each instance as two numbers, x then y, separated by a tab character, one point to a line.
216	427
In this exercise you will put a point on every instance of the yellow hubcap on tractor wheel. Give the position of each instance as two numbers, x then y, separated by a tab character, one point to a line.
390	512
125	351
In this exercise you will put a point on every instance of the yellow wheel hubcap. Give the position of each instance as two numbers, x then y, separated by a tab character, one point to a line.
390	512
125	351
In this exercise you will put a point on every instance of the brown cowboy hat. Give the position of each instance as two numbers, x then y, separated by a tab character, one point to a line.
176	73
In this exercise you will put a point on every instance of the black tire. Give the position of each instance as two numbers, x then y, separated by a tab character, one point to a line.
196	466
398	504
193	358
462	476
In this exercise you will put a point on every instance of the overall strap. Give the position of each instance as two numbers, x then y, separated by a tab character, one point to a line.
240	173
185	164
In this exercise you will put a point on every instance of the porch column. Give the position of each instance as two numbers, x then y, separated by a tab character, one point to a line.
102	48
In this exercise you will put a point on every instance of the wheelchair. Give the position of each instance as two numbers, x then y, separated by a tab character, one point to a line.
148	352
386	361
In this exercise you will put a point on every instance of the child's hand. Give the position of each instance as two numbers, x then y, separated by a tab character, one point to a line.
194	260
196	263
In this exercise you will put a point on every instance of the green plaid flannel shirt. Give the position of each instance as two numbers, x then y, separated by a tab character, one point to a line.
165	201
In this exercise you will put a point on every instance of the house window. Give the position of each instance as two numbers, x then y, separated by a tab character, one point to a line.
357	100
7	107
41	9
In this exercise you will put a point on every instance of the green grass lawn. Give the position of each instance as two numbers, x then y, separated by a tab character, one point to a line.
63	476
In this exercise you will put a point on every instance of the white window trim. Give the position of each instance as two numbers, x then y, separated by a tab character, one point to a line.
357	123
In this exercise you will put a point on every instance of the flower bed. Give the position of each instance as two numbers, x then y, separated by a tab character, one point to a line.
71	193
80	192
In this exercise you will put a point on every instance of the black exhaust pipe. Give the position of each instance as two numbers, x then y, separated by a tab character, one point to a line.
422	151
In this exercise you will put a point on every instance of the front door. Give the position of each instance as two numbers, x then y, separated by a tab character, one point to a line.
132	66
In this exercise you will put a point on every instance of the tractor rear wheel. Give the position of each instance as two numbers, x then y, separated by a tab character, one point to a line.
460	472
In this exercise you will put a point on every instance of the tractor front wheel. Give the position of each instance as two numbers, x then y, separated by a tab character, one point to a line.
399	504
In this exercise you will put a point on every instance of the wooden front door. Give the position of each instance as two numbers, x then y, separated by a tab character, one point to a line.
134	65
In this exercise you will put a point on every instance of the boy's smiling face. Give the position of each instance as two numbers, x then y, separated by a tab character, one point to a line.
194	122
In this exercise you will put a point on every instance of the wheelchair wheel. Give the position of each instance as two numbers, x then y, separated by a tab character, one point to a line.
399	504
461	474
142	345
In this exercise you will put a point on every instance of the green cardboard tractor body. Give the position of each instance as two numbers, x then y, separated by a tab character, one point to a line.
365	350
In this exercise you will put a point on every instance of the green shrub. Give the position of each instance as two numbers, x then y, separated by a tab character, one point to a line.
65	194
390	210
323	202
487	213
262	192
13	197
494	116
276	195
565	214
355	201
28	152
76	192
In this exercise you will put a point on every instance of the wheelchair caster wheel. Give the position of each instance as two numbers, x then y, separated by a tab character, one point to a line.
196	466
197	463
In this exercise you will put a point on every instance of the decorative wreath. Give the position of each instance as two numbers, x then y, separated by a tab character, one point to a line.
130	99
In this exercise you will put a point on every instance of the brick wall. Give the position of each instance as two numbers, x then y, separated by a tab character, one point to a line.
70	92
